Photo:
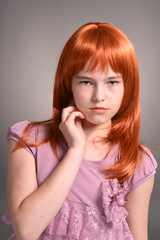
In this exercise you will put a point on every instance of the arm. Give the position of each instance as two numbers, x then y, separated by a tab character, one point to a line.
137	207
32	208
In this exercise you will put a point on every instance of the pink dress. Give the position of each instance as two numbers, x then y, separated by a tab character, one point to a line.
94	208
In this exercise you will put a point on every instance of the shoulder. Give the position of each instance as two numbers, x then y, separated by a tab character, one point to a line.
146	168
33	135
16	130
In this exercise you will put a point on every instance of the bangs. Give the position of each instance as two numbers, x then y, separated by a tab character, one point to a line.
98	48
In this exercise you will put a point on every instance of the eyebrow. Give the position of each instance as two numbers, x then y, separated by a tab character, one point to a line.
90	78
83	77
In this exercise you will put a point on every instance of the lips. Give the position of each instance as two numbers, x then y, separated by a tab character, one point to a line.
99	109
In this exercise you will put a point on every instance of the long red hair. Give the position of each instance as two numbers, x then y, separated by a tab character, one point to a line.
100	44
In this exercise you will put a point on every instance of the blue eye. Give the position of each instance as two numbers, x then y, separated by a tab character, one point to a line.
113	83
85	82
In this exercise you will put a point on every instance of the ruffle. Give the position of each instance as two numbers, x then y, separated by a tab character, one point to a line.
77	221
81	222
16	130
145	170
6	218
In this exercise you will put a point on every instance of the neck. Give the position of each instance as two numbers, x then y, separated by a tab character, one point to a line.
96	148
92	131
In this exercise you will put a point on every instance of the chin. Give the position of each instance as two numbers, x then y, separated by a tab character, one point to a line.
98	122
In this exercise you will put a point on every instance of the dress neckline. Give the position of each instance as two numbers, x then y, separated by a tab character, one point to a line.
107	160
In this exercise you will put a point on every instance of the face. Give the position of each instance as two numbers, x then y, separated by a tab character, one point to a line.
98	95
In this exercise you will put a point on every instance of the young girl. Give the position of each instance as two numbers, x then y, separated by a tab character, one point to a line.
84	174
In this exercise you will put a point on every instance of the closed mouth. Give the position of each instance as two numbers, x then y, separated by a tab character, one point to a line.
99	109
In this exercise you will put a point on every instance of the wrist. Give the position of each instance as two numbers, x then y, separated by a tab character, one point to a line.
77	151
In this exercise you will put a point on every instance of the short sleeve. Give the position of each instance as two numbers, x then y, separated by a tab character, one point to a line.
146	169
15	132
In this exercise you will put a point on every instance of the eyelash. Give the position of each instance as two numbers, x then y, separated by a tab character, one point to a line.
111	83
85	83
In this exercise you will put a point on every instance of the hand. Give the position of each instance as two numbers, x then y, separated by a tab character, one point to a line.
71	127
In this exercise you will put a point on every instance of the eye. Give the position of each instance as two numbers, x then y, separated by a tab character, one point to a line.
113	83
85	83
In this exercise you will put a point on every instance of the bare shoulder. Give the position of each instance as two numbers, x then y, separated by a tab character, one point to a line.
22	179
137	206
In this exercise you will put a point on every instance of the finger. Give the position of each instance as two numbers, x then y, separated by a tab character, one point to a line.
66	112
73	115
78	122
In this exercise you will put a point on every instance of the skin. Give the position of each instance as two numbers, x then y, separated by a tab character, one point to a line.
137	206
92	90
32	207
97	89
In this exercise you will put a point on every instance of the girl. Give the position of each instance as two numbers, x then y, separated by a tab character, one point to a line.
84	174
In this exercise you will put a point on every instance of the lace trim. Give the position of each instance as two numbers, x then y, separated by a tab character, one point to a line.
77	221
81	222
6	218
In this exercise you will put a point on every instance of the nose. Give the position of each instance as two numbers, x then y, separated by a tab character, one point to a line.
99	93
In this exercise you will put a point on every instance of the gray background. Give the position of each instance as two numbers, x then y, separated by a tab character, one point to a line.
32	35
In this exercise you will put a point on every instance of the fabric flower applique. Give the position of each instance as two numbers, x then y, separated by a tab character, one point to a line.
113	200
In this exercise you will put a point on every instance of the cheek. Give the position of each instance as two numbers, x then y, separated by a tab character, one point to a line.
117	99
122	95
120	99
79	97
80	102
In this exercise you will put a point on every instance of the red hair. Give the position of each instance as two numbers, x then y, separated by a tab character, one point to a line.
99	44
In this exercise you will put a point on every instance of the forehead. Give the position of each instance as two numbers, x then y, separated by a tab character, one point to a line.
98	71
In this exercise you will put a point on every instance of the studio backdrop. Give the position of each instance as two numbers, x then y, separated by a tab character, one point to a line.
32	35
